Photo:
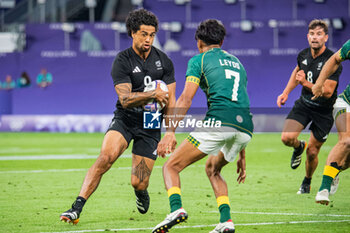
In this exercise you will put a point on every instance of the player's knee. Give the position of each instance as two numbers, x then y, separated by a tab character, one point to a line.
103	162
172	165
210	169
287	139
346	144
312	152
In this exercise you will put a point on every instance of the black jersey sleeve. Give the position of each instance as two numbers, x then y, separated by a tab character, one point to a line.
300	57
120	70
169	73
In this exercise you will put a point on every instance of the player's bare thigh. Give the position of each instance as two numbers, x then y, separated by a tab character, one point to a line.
342	123
113	145
291	130
184	155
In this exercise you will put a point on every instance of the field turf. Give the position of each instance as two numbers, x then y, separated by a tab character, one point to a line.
41	174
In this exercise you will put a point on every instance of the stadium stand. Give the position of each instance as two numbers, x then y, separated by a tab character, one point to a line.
83	85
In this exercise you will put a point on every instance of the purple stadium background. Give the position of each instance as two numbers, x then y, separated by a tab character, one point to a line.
82	89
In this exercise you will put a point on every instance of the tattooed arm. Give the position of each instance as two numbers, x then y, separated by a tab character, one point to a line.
129	99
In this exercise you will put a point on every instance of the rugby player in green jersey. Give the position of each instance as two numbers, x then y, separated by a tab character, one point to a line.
224	80
338	159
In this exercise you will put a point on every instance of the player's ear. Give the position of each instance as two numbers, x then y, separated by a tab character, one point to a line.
326	38
133	34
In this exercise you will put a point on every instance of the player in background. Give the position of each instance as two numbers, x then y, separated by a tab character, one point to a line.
223	78
132	69
338	159
306	110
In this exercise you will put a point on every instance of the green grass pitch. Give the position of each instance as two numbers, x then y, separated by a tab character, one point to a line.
34	192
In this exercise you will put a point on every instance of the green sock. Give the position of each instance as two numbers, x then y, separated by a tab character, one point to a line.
175	202
329	173
326	183
224	210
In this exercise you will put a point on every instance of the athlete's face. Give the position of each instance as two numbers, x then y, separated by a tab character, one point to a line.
143	38
317	38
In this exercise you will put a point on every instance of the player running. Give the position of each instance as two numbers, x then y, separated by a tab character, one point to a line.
338	159
306	110
224	80
133	68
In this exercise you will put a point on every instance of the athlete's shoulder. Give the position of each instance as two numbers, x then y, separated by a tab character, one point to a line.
196	58
160	53
328	53
124	54
345	51
305	52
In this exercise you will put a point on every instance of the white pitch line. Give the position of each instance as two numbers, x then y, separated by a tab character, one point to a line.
52	157
46	157
198	226
63	170
289	214
74	170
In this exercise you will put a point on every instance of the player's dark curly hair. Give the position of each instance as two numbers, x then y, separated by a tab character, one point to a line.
211	31
140	17
318	23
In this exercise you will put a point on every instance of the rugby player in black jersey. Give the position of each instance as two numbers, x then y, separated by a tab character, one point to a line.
132	69
306	110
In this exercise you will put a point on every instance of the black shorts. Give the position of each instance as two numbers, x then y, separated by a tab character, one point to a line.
321	119
131	127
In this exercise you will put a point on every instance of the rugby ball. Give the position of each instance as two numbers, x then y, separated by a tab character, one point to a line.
153	105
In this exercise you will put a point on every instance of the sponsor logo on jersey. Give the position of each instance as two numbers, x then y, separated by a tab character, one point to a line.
304	62
319	66
136	70
239	118
159	65
151	120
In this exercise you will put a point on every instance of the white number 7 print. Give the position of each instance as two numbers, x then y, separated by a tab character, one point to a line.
229	74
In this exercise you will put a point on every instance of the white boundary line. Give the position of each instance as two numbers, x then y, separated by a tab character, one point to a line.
52	157
75	170
64	170
295	214
198	226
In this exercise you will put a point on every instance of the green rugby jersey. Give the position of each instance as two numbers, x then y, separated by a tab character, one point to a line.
345	55
224	81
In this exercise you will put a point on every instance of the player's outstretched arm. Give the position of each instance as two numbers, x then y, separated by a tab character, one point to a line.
182	105
130	99
292	83
328	69
168	143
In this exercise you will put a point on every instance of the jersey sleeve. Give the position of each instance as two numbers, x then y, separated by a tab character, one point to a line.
194	72
120	70
345	51
299	58
169	73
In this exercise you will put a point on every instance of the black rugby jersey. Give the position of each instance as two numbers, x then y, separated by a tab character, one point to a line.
312	68
128	67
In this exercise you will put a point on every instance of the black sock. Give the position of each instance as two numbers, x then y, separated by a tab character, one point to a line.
79	203
335	165
307	180
141	193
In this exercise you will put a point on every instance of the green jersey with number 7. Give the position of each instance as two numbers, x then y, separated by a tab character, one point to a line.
223	79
